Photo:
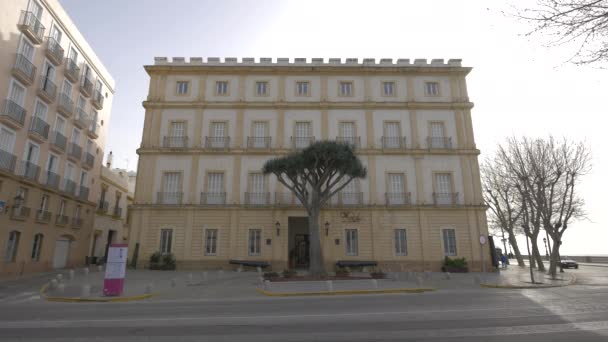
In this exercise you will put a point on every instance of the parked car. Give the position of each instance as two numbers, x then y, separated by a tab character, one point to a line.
569	263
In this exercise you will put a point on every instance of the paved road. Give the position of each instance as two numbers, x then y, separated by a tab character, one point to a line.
559	314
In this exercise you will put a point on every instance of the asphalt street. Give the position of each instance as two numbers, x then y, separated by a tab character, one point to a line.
578	312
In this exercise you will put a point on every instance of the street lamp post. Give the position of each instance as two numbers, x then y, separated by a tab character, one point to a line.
546	250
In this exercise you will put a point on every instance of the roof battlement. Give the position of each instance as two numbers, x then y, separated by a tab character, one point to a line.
313	62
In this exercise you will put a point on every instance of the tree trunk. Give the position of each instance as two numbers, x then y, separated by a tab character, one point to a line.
537	256
316	257
554	258
518	256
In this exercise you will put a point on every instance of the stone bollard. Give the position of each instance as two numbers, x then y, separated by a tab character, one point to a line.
86	290
330	285
60	278
419	281
71	274
149	287
259	269
239	269
190	276
267	285
375	284
53	284
448	276
85	271
99	268
205	276
173	282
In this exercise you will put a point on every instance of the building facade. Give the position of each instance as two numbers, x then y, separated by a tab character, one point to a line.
54	116
210	126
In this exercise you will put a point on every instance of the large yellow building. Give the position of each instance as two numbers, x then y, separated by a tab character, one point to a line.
210	126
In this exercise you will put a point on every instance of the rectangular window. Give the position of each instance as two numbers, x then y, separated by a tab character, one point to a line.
171	188
17	93
349	195
303	134
44	202
443	182
392	135
352	242
346	89
182	87
221	88
347	132
215	188
67	88
26	49
177	134
77	212
178	129
400	242
388	88
60	125
11	246
81	103
210	241
303	88
257	188
255	242
261	88
260	134
40	110
166	236
218	135
396	189
431	89
7	142
37	247
62	205
449	242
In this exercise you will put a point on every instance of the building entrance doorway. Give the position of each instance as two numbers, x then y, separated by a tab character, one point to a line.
299	243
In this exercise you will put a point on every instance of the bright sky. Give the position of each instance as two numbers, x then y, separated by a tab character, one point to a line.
518	86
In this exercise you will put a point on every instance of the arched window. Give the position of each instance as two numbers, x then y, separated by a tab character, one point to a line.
37	246
11	246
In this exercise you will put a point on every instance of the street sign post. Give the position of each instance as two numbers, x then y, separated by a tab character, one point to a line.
116	265
483	240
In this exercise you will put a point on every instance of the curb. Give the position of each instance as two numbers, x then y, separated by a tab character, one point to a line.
343	292
93	299
527	287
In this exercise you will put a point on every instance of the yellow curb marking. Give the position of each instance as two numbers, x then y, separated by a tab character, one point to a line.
94	299
344	292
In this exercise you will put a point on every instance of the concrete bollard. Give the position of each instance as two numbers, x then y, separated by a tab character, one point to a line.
71	274
419	281
85	271
53	284
259	269
239	269
60	278
190	276
447	276
205	276
173	282
149	287
86	290
99	268
330	285
375	284
267	285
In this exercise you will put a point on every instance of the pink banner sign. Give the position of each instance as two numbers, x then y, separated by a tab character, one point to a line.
116	265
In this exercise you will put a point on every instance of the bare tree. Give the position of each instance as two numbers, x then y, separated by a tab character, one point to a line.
583	23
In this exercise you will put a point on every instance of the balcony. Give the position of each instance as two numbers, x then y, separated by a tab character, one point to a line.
354	142
48	90
69	186
66	105
393	143
50	179
257	199
43	216
28	170
97	100
8	161
86	87
89	161
397	199
286	199
83	193
61	220
54	51
12	115
445	198
298	143
82	119
71	70
261	143
58	142
93	131
217	143
175	142
170	198
439	142
20	213
31	26
350	199
24	70
103	207
77	222
213	198
117	212
39	129
74	152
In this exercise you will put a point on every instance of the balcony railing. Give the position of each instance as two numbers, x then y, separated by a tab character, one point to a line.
58	141
50	179
445	198
24	70
86	88
28	170
47	90
286	199
20	213
13	114
439	142
355	142
43	216
117	212
82	118
299	143
69	186
77	222
83	193
74	151
93	131
396	143
172	198
89	160
213	198
61	220
350	199
8	161
31	26
103	207
97	100
71	70
258	142
255	199
54	51
397	198
66	105
40	128
175	142
217	143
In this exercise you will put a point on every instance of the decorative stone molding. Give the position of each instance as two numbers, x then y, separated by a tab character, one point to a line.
265	61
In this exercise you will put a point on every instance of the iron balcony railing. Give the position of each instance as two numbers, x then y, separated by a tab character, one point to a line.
82	118
175	141
217	143
69	186
439	142
28	170
43	216
397	198
86	88
24	69
254	199
48	89
12	112
71	70
8	161
83	193
286	199
74	151
258	142
299	143
61	220
393	142
59	140
103	206
77	222
352	141
348	199
89	160
39	127
97	100
117	212
213	198
445	198
66	105
54	51
20	212
172	198
31	26
51	179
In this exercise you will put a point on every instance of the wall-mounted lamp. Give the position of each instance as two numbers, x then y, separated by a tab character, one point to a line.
326	228
278	226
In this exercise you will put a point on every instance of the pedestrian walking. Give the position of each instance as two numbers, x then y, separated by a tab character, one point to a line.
503	261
